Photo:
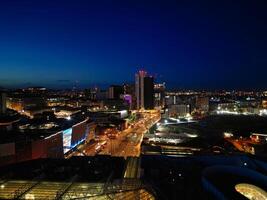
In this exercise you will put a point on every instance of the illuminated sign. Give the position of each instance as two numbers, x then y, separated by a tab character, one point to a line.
67	140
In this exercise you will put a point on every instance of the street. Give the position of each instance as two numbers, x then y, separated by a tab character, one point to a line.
126	144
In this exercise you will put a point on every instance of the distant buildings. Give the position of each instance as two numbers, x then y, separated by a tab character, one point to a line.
101	94
2	103
144	90
115	91
159	94
202	104
264	103
129	95
90	93
180	110
34	98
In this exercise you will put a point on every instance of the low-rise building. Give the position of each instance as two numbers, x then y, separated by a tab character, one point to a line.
180	110
44	138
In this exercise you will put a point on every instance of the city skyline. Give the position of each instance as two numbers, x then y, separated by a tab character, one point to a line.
188	45
133	99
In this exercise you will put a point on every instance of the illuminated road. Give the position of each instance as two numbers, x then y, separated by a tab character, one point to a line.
126	144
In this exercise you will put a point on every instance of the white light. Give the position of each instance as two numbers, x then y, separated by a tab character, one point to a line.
29	196
245	164
68	118
2	186
165	121
227	134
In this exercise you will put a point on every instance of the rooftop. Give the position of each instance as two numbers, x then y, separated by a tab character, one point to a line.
75	178
38	128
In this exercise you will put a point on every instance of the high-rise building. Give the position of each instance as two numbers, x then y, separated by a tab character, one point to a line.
202	104
139	89
115	91
159	94
149	92
144	90
2	103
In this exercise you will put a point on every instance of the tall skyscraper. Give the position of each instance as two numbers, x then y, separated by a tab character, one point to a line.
149	92
144	90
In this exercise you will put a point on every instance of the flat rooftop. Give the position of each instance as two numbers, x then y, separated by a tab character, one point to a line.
34	129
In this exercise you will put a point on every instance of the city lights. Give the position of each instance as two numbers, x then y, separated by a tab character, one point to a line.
133	100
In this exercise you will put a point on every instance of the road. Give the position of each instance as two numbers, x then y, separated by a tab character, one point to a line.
126	144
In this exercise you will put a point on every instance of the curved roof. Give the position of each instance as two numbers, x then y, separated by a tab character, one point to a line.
224	179
251	191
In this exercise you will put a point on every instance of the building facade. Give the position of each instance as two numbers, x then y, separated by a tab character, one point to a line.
144	90
159	95
115	91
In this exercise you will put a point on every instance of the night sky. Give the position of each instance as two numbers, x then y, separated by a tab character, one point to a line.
189	44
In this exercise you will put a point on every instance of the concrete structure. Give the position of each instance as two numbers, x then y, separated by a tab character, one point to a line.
144	90
115	91
139	89
50	139
202	104
159	94
149	93
180	110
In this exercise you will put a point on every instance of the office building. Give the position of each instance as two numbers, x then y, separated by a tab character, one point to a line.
181	110
144	90
159	94
149	92
202	104
115	91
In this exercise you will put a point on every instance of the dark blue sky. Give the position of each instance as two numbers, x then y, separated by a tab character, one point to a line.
188	44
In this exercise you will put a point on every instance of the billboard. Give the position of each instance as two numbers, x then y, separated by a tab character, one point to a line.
67	134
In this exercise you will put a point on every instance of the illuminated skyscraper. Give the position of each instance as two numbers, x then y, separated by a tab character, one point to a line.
144	90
